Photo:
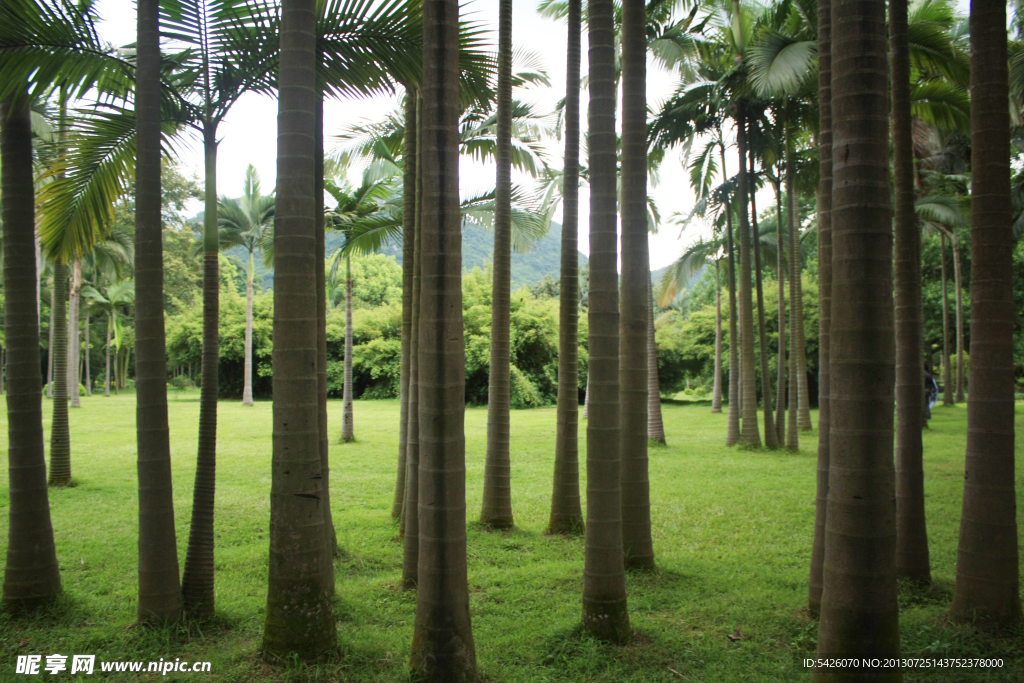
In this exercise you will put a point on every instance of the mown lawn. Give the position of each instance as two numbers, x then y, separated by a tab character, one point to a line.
732	531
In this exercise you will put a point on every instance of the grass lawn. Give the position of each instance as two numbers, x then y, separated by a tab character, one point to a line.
732	533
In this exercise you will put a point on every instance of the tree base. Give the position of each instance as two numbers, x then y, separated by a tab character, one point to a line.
606	620
566	525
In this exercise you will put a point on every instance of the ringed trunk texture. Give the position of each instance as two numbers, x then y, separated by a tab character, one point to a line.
159	583
60	432
31	575
49	353
780	396
106	378
605	614
247	368
824	298
750	434
958	284
74	336
566	510
732	430
770	439
911	534
987	564
497	498
655	425
859	610
947	371
716	392
300	616
795	311
348	433
86	364
442	650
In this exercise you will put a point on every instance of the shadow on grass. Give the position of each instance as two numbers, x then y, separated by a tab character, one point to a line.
916	594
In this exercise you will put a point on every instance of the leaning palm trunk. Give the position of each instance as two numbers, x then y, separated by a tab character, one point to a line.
770	439
60	434
247	368
655	425
947	373
566	511
987	564
31	575
824	299
958	286
299	616
497	498
859	609
750	434
159	587
605	613
442	645
635	311
911	535
74	336
347	419
716	392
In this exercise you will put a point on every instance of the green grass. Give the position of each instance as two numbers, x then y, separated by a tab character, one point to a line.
732	532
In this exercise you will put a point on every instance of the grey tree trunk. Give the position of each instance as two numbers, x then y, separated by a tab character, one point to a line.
770	439
74	335
49	353
958	286
88	373
60	431
716	392
732	430
655	425
106	379
947	370
247	368
347	419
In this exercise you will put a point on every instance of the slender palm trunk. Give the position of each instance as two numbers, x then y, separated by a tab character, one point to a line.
159	584
732	430
605	614
824	298
859	610
408	249
60	433
74	336
911	534
347	420
299	616
197	579
795	312
586	395
770	439
88	374
655	425
958	285
106	379
31	574
947	371
247	368
987	564
49	353
442	648
716	392
780	396
497	498
750	434
566	511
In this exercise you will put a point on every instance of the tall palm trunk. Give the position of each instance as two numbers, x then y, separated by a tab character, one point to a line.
635	311
49	353
247	368
795	311
770	439
106	379
716	392
60	432
566	511
74	336
197	579
88	374
408	249
586	395
299	616
31	575
442	646
605	613
859	610
958	285
159	587
987	564
497	499
751	434
947	371
780	396
732	430
911	534
655	425
347	421
824	298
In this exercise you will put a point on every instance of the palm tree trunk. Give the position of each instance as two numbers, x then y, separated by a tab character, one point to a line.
106	379
732	430
299	616
770	439
197	579
655	425
88	374
716	393
586	395
247	368
947	372
408	249
958	285
60	434
566	510
347	426
795	311
824	299
605	614
442	646
751	434
31	575
74	336
911	534
49	353
987	566
859	610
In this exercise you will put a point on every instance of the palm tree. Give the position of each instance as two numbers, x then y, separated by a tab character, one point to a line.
987	574
605	613
655	425
911	534
566	512
859	610
117	295
246	222
497	496
442	648
947	376
60	436
299	617
31	575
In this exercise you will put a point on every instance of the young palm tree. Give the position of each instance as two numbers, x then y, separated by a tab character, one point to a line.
859	610
987	567
442	646
605	613
566	512
116	296
31	575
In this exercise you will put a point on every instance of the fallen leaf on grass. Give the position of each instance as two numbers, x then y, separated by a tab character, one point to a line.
737	636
